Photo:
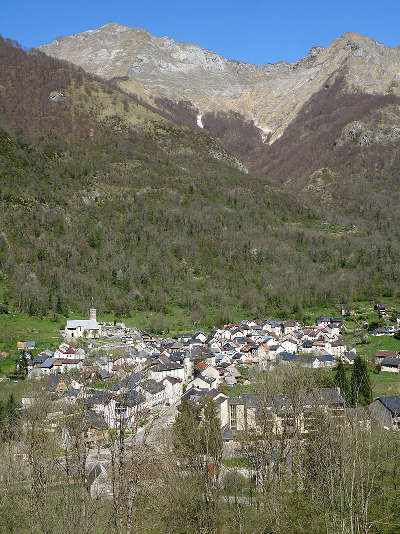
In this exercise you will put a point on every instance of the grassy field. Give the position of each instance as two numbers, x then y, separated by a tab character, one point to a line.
238	389
363	312
20	327
18	389
385	384
375	343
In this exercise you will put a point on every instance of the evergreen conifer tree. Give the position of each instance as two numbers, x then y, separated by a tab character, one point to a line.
360	383
23	366
342	382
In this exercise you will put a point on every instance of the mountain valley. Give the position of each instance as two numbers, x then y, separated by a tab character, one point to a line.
158	176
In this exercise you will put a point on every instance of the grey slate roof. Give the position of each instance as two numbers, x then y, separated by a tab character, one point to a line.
98	396
153	387
95	472
208	380
166	365
324	396
177	356
326	357
288	356
130	381
54	380
92	419
39	359
48	364
196	395
391	362
392	404
172	380
133	398
73	393
283	403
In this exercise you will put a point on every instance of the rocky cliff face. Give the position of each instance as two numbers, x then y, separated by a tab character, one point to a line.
270	95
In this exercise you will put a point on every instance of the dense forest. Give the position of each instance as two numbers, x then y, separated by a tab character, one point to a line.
101	195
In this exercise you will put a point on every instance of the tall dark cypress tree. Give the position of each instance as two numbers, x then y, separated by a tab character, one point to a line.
365	387
360	383
342	383
23	366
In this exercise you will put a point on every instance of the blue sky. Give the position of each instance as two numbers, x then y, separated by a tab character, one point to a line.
256	31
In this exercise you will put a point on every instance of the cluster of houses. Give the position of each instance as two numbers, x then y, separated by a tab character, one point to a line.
143	375
26	345
148	374
63	360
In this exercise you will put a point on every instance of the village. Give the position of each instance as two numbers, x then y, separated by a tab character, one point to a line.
119	371
120	381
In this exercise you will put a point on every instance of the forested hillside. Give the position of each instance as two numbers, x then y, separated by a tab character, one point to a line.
102	196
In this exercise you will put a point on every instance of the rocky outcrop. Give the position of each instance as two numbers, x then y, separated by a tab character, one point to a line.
381	127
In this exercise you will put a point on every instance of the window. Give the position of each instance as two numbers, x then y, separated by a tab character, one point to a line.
233	417
289	424
120	412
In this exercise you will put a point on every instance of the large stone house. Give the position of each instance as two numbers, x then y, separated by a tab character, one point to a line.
165	368
391	365
285	416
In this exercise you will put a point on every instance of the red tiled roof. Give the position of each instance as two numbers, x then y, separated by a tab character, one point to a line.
386	353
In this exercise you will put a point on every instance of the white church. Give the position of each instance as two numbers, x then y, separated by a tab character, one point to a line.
77	328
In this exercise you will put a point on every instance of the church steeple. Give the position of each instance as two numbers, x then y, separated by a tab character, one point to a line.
92	311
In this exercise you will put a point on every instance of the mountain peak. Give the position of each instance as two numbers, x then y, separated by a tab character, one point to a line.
270	95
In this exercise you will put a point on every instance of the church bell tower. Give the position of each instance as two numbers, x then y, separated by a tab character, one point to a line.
92	311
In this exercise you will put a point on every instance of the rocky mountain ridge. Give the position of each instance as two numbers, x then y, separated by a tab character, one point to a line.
270	95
